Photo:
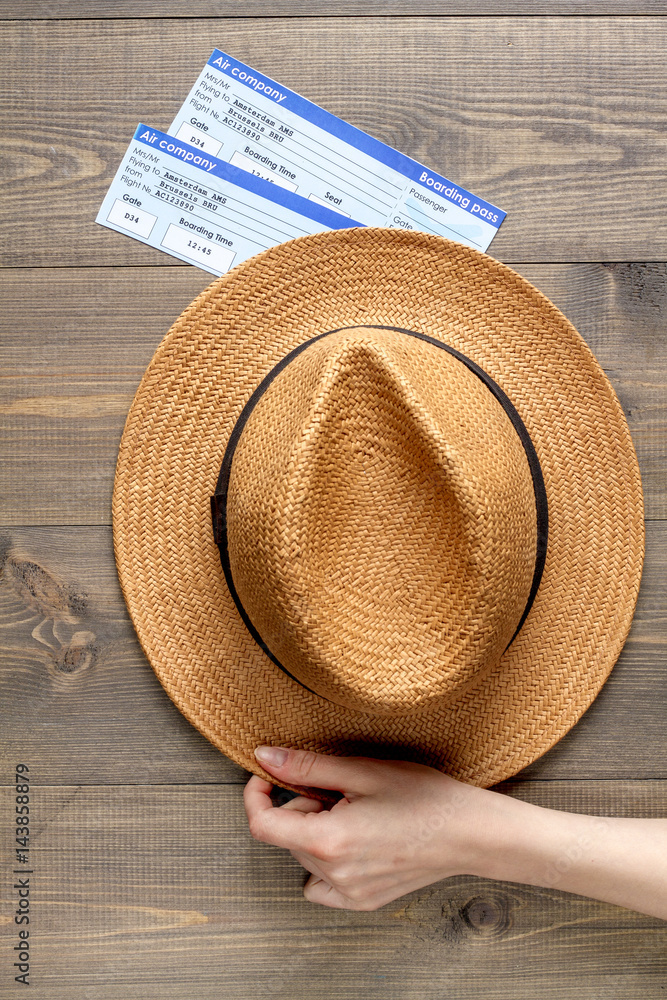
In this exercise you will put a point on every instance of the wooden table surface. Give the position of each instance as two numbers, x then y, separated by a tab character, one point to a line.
144	880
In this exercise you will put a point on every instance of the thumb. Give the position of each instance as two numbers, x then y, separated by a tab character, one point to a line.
351	775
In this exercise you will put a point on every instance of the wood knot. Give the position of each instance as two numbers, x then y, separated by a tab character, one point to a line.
79	654
487	916
42	593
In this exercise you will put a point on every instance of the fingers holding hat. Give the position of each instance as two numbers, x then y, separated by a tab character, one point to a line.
295	825
282	827
350	775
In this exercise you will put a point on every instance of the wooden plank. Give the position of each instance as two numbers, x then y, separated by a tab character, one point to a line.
73	353
565	130
99	9
160	891
592	798
75	343
82	703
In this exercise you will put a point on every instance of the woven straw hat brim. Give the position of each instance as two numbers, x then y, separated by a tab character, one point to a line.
202	375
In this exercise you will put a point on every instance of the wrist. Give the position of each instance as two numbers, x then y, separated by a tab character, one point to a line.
506	838
476	831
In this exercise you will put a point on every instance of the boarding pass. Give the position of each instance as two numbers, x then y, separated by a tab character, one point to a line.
190	204
238	115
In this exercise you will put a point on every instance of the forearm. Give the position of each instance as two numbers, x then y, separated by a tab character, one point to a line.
622	861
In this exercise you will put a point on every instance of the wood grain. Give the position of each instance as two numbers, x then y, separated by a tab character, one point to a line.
74	344
86	706
564	129
100	10
151	891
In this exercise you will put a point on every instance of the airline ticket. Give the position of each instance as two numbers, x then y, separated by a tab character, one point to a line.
194	206
238	115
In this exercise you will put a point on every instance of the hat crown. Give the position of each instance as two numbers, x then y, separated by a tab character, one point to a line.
381	521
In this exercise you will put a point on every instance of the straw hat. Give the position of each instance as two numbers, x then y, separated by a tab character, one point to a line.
427	531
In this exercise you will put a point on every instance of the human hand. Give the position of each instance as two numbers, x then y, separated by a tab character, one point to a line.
399	826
